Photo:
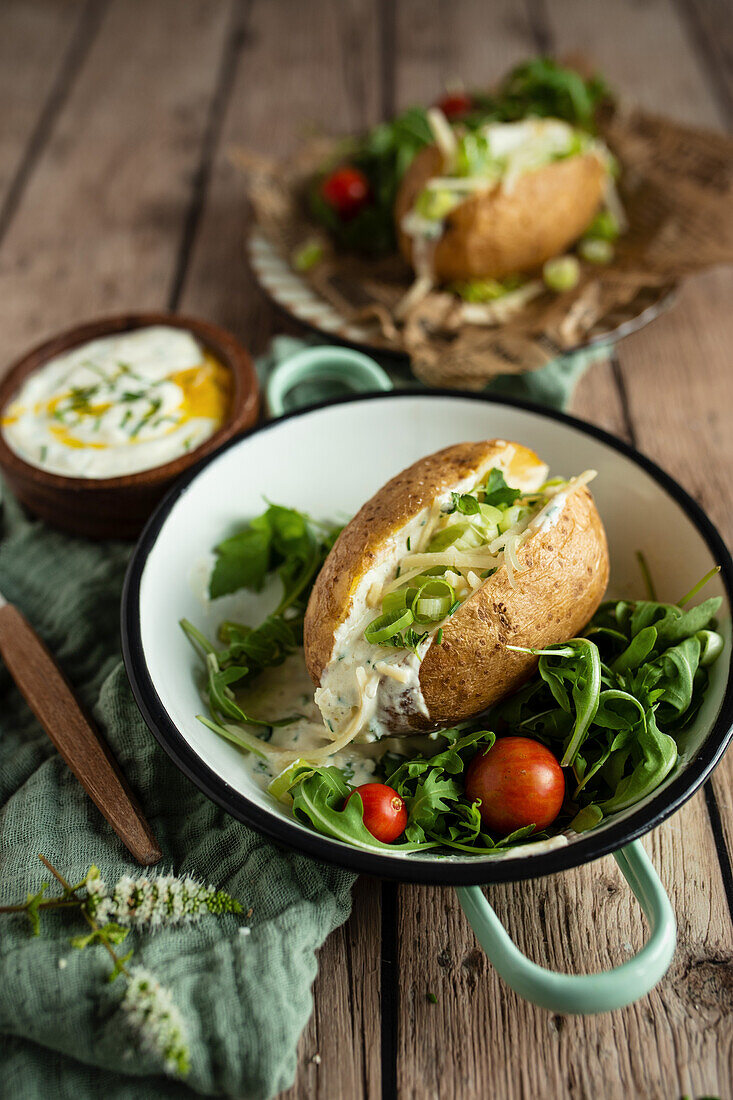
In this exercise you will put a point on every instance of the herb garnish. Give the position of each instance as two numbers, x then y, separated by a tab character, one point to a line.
282	542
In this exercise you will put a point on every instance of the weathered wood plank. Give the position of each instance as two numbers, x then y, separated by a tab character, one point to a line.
339	1052
323	72
34	41
710	27
97	228
676	372
479	1039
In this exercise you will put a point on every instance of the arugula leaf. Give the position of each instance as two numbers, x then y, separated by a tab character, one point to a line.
431	798
282	540
656	753
318	800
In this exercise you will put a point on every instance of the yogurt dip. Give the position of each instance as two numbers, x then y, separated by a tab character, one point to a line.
119	404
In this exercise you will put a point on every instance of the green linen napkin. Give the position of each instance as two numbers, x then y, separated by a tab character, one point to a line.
551	385
245	997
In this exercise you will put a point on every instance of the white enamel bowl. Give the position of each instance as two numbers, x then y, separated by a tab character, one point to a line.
328	461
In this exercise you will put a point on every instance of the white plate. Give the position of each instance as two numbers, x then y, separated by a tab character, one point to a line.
328	461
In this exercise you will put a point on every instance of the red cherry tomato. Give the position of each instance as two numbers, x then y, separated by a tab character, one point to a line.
519	782
385	815
346	190
455	104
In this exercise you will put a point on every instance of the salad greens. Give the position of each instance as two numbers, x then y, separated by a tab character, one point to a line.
281	542
439	814
539	87
611	705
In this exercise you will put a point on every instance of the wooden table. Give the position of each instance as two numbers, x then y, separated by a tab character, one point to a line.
117	191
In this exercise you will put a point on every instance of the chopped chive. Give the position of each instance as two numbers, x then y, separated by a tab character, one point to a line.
44	452
439	637
408	544
454	607
432	998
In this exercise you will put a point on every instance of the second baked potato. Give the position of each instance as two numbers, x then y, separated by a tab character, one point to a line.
507	220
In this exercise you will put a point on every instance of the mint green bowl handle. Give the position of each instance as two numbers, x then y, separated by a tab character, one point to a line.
584	993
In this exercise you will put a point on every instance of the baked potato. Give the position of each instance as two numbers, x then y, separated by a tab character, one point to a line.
496	230
458	583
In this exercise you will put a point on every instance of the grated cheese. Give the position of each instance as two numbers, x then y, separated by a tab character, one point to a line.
401	675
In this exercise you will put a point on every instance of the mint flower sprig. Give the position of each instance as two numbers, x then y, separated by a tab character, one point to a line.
144	903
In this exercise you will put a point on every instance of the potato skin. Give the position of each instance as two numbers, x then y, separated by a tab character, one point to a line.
493	234
565	574
363	541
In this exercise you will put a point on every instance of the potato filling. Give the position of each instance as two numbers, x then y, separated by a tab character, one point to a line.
462	543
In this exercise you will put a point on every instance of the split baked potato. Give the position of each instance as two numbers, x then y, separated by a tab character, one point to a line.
492	233
549	573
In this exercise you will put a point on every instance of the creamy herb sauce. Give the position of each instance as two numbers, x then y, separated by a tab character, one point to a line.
286	690
119	404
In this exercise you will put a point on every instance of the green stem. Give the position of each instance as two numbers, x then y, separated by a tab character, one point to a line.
700	584
87	916
52	903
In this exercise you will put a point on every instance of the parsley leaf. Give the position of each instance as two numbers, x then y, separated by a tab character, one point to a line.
496	490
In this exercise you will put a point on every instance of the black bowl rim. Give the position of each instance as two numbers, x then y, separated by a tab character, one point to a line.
425	870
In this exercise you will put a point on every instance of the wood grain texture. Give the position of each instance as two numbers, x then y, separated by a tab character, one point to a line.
339	1051
48	694
41	34
678	1040
322	74
676	373
98	226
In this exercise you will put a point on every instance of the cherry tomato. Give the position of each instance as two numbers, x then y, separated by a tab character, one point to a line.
519	783
455	104
385	814
346	190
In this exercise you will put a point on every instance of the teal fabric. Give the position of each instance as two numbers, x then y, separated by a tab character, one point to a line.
245	998
551	385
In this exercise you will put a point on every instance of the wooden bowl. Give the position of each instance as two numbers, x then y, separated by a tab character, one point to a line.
117	507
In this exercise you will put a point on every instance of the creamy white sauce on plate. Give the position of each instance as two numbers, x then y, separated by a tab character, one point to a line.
119	404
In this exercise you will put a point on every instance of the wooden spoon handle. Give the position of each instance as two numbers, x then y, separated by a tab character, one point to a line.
51	699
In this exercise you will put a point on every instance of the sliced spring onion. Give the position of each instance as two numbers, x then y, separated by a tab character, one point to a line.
395	601
432	600
385	626
447	537
429	611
